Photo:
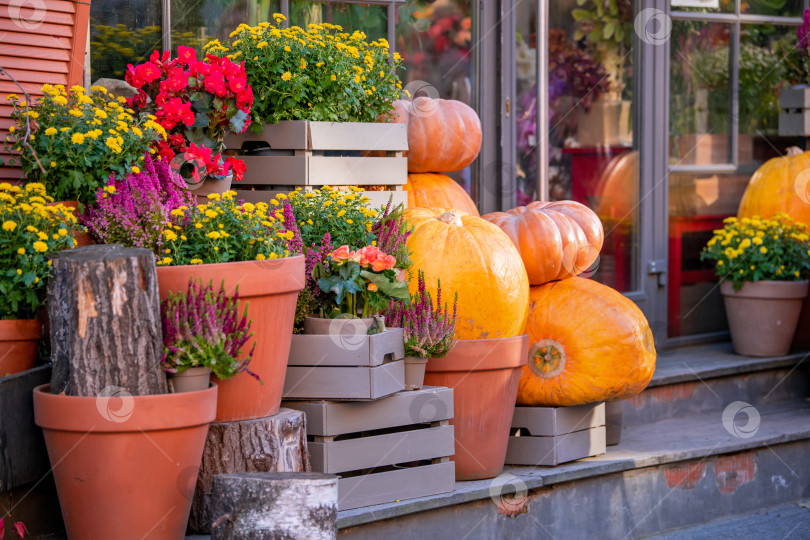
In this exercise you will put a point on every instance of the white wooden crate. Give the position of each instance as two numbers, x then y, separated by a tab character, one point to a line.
794	112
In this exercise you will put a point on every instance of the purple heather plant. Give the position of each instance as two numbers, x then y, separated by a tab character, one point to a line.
309	299
429	332
134	210
203	328
392	232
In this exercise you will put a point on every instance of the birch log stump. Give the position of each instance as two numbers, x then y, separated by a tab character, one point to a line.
275	506
104	313
275	443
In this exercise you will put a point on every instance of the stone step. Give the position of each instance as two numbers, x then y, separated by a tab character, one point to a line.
791	521
706	378
665	475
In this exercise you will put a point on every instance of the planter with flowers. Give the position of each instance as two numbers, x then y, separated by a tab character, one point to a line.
197	102
763	265
203	332
319	93
429	332
223	243
30	229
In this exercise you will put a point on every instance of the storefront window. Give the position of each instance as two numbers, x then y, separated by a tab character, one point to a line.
196	22
371	19
122	32
589	135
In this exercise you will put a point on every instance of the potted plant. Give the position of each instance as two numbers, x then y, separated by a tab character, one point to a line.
72	140
242	245
203	333
429	332
763	265
30	229
197	102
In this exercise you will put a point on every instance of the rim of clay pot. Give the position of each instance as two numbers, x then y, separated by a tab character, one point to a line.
190	372
484	354
241	273
20	329
123	413
340	325
767	289
415	360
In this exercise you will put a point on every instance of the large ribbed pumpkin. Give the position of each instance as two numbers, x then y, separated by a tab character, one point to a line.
556	240
476	259
434	190
588	343
781	184
444	135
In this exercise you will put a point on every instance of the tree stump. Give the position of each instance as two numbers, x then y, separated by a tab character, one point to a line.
275	506
275	443
104	313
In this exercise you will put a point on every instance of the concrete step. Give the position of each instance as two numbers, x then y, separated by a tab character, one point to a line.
706	378
791	522
665	475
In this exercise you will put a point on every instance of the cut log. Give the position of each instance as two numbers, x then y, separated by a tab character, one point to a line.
275	506
275	443
104	313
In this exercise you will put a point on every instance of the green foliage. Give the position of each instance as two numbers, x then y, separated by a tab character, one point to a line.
760	249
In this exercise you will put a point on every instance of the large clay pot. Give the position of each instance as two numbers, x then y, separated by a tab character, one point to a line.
484	375
125	467
270	288
19	340
763	315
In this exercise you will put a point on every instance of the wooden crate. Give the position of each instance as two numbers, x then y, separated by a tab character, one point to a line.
312	154
553	435
345	367
24	458
395	448
794	112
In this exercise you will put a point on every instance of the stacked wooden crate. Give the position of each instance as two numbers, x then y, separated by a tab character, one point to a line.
386	450
308	155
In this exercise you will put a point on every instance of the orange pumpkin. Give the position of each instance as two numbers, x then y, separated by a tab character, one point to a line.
556	240
444	135
781	184
429	190
476	259
589	343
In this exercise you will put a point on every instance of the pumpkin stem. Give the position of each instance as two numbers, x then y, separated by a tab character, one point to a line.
547	358
451	217
793	151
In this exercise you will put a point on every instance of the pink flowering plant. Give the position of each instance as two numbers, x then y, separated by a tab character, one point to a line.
134	210
197	102
429	330
359	283
202	327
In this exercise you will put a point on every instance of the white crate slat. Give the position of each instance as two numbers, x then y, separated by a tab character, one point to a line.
397	485
349	351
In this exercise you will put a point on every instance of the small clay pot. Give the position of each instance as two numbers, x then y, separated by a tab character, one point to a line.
338	327
125	466
209	186
763	315
19	341
484	376
84	238
190	380
415	372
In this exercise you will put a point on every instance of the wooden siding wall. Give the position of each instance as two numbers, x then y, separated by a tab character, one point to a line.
43	41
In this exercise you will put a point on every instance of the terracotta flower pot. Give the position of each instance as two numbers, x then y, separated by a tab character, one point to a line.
191	379
19	341
337	327
82	239
270	289
208	186
415	372
484	375
763	315
125	467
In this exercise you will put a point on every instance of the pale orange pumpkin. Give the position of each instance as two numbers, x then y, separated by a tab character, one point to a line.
556	240
589	343
781	184
434	190
444	135
476	259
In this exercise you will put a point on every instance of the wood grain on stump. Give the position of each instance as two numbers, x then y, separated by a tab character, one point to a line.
104	313
275	506
275	443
